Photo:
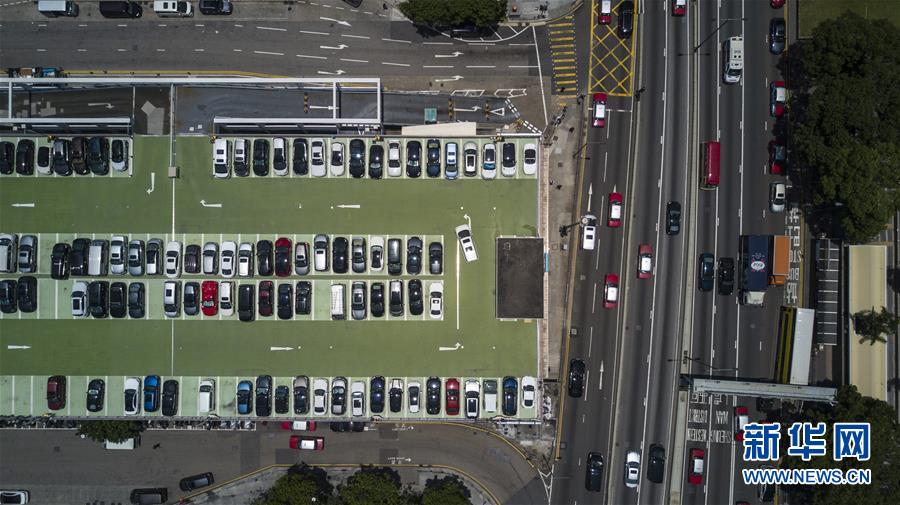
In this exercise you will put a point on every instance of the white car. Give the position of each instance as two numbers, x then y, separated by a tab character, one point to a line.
317	157
464	234
210	258
320	396
470	159
173	259
436	291
320	253
632	469
413	391
132	396
171	298
358	399
489	161
226	258
473	390
79	299
376	246
394	166
220	159
279	157
117	254
336	161
529	391
777	192
529	166
226	303
589	232
245	260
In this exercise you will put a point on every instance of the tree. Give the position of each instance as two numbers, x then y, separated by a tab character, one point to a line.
375	486
450	13
300	485
113	431
445	491
845	122
884	457
873	326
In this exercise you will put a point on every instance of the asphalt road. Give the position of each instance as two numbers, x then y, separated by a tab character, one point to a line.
84	472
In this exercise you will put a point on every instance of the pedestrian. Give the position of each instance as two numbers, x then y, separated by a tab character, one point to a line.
551	182
157	445
559	186
384	6
642	89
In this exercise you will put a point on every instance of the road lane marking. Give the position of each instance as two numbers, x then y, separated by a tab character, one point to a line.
395	64
269	53
313	57
395	40
313	33
271	28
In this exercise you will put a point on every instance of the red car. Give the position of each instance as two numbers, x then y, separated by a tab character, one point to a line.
266	289
614	219
777	156
679	7
307	443
452	397
777	98
210	298
299	425
776	4
610	291
645	261
605	16
283	257
740	420
599	110
56	392
695	467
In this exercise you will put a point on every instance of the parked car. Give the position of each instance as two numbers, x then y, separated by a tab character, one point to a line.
357	158
264	395
119	156
7	158
303	298
61	158
264	257
285	301
78	297
413	158
358	399
394	165
433	396
227	258
261	157
472	401
98	155
56	392
78	155
245	260
301	394
244	395
43	160
279	157
777	35
489	161
320	253
209	298
8	297
358	253
317	158
192	259
191	298
339	251
376	161
170	398
529	391
433	166
151	393
301	258
777	196
336	162
777	98
59	261
435	258
118	300
300	161
376	391
154	256
210	258
413	391
226	298
777	156
95	393
508	167
211	8
173	255
510	394
358	301
529	163
414	256
132	395
98	299
118	254
24	157
240	158
470	159
436	296
283	257
451	161
338	396
28	251
282	399
204	479
416	304
136	300
172	298
266	298
320	392
395	395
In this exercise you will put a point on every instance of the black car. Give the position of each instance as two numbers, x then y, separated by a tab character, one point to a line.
192	260
98	299
211	8
118	304
264	395
376	387
673	218
98	155
43	156
246	309
415	297
62	157
24	157
7	158
593	477
576	378
656	470
339	396
8	302
304	298
436	258
626	19
283	259
433	166
395	399
26	292
509	155
376	299
706	271
77	155
266	294
136	300
396	298
118	152
777	32
339	263
95	391
300	161
414	256
282	399
59	262
285	301
413	158
191	298
340	426
301	395
204	479
261	157
149	495
376	161
357	158
726	276
264	260
78	256
170	398
433	396
510	393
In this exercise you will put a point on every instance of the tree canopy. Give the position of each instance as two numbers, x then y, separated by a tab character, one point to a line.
300	485
445	491
874	326
375	486
845	121
453	13
113	431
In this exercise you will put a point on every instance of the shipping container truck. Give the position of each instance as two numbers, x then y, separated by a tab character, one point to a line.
781	260
754	268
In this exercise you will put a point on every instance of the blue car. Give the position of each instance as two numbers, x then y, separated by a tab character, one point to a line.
244	396
151	393
510	392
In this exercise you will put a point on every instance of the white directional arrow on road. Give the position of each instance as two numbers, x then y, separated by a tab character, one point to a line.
342	46
468	219
107	104
454	348
23	205
348	206
216	205
18	347
601	375
152	183
452	55
473	109
273	348
454	78
590	194
342	23
324	72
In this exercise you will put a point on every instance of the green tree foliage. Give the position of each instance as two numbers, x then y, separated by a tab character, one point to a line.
885	452
449	13
300	485
114	431
445	491
874	326
375	486
845	121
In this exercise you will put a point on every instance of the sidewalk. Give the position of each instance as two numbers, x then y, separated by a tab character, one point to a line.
538	10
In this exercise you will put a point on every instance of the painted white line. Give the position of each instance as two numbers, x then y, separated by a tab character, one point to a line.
481	66
437	66
274	29
313	33
160	50
238	50
312	57
395	64
355	36
351	60
82	50
438	43
269	53
523	66
395	40
199	50
42	50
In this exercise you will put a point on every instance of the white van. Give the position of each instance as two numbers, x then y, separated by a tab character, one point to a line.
226	305
490	395
206	398
97	264
126	445
220	159
8	247
337	302
173	9
733	64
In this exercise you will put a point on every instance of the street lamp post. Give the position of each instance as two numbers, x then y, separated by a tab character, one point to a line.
726	20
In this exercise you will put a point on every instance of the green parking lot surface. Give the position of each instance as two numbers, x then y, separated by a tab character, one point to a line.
51	342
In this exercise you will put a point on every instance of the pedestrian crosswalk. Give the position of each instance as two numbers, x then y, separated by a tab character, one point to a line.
563	56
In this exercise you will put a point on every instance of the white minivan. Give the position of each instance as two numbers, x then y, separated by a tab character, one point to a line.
337	302
206	397
226	305
220	159
168	9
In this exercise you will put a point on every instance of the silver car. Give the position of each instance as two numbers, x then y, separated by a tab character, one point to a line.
27	254
136	257
211	258
154	256
117	254
79	299
358	301
317	158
